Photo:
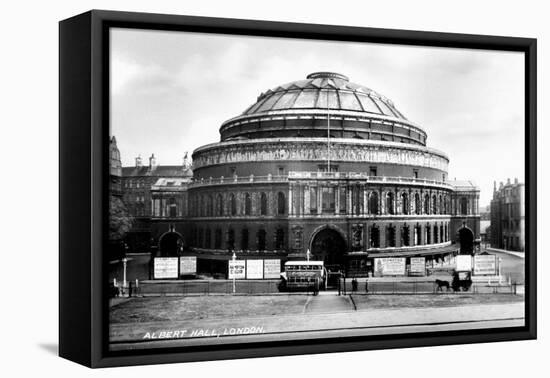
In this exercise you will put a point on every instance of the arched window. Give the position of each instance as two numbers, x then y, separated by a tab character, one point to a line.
280	203
374	207
374	237
202	207
446	205
230	239
208	238
417	204
219	205
434	204
441	235
441	206
261	240
210	206
390	209
428	234
417	234
427	204
232	204
279	239
405	239
247	204
390	236
464	206
244	239
263	204
436	234
405	203
218	239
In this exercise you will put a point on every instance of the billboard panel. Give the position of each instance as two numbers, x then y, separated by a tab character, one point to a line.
272	268
255	269
464	263
237	269
485	265
188	265
418	265
390	266
165	268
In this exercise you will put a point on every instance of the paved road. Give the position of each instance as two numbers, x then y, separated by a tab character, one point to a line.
292	327
512	266
327	302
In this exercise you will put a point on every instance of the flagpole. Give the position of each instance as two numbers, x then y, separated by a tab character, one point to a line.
328	133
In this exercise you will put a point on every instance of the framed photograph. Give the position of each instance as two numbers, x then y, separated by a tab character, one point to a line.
236	188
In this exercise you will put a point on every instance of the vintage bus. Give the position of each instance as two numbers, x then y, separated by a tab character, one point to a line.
304	275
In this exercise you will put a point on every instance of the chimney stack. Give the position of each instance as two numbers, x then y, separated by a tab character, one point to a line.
516	181
152	162
138	162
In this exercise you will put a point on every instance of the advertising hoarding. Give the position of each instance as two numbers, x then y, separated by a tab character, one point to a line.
272	268
485	265
165	267
254	269
188	265
464	263
390	266
237	269
418	266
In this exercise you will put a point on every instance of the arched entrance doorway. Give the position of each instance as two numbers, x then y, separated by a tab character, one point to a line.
329	246
466	240
171	244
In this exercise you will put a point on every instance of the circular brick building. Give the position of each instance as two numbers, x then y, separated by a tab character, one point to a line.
327	166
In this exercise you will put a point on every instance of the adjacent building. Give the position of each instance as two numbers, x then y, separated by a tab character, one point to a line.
508	216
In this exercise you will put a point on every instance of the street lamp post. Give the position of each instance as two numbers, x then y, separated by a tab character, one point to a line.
234	259
499	269
124	264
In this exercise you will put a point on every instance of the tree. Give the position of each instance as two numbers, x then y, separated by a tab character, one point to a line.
120	221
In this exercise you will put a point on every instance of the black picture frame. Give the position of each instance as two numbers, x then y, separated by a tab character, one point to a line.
83	156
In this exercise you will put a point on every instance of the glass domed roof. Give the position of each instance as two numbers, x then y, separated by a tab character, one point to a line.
324	90
306	108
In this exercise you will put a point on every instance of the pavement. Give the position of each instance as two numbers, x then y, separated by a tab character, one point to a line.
295	326
513	253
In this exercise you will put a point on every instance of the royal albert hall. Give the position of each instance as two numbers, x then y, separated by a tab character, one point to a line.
322	165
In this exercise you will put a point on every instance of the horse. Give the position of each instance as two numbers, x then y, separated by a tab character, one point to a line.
442	284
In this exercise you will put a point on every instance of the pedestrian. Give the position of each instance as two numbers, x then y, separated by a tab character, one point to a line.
354	285
366	285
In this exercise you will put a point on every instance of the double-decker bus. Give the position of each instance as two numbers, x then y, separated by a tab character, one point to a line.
304	275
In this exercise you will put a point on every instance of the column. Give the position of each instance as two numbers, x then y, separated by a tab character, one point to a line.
307	206
365	194
290	205
349	210
337	199
319	199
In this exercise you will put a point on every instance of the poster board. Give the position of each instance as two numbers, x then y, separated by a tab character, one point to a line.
418	266
485	265
254	269
464	263
237	269
165	268
390	266
272	268
188	265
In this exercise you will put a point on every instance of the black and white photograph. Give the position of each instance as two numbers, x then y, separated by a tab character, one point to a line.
266	189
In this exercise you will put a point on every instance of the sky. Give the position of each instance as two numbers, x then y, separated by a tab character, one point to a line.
171	91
